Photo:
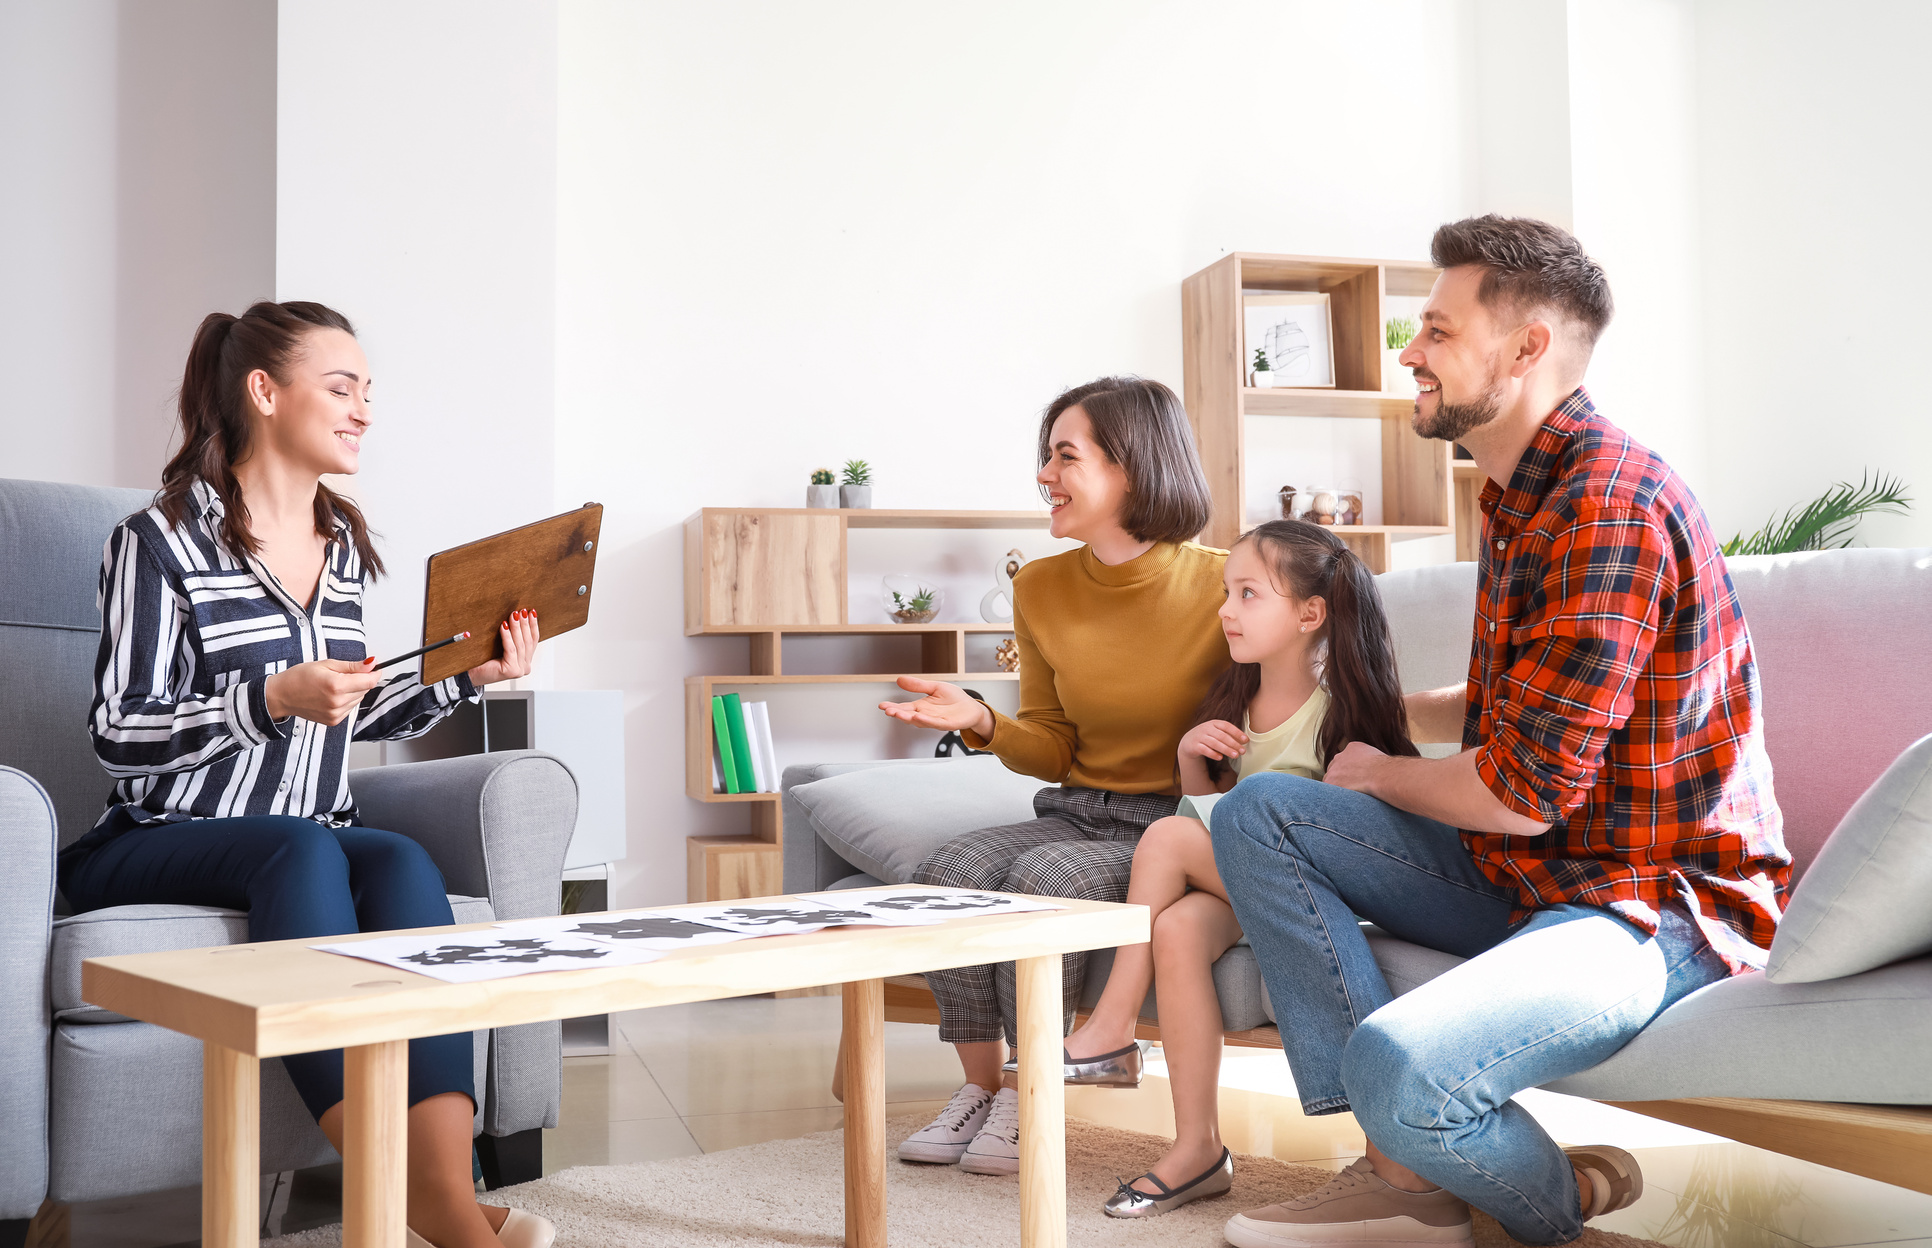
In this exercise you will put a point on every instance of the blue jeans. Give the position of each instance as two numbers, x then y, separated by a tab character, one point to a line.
296	878
1430	1075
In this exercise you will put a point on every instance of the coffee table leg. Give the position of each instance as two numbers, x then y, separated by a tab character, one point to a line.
1043	1105
862	1059
375	1142
231	1150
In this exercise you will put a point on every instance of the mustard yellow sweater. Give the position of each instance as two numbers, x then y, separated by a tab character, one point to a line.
1114	661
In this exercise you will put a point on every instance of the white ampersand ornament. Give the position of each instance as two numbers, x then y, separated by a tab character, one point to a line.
997	606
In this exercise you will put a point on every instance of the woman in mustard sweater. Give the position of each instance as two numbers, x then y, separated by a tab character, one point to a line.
1119	641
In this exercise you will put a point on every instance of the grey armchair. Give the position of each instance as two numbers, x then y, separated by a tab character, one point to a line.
96	1105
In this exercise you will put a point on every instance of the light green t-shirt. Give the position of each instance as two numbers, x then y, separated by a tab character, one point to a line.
1293	746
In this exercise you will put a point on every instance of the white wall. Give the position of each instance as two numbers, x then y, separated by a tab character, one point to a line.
1811	125
416	195
789	235
137	144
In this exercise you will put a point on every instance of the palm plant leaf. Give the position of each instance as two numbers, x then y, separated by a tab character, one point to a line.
1828	521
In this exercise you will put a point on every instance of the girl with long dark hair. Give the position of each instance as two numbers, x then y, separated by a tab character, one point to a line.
1313	670
233	673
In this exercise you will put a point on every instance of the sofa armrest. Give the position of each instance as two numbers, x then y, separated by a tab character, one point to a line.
27	840
497	825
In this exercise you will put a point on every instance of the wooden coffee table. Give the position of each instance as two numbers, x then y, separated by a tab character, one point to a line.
247	1002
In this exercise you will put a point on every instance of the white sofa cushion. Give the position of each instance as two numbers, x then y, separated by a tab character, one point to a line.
1867	900
887	820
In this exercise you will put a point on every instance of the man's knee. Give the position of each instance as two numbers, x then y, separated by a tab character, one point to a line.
1389	1072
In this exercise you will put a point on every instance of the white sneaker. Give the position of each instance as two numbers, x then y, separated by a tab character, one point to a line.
996	1149
950	1133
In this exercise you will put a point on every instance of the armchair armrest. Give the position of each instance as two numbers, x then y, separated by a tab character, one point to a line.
497	825
27	839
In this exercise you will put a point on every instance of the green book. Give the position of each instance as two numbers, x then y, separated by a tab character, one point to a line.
740	745
727	761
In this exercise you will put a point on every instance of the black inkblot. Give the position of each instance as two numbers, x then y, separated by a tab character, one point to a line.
940	901
649	929
527	950
765	918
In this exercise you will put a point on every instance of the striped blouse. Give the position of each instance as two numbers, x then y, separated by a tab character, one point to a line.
189	637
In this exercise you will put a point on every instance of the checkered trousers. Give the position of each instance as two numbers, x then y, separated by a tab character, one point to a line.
1081	845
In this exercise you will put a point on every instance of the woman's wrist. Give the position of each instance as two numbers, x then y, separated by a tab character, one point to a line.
984	726
271	689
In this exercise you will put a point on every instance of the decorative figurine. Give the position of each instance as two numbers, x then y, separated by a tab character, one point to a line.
1008	655
997	606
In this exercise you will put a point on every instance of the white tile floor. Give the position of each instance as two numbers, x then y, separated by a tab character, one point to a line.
698	1078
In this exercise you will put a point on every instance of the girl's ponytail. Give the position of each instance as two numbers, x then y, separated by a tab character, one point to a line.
1358	660
1365	694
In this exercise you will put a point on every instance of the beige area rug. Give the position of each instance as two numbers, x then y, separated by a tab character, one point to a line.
791	1194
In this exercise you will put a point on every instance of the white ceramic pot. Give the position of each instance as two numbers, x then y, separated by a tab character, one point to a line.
1264	380
1395	378
855	496
822	496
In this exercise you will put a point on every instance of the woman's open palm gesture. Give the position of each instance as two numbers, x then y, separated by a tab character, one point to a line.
945	707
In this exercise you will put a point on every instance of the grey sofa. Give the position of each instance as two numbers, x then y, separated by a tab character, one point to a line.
1842	639
93	1105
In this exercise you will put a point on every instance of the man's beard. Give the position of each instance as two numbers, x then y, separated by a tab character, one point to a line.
1453	420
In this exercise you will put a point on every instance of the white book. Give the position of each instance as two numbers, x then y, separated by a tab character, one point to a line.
717	774
763	761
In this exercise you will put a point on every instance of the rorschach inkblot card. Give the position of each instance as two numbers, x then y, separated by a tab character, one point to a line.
467	957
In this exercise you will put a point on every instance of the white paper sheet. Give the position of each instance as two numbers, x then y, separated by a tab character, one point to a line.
637	929
932	905
470	957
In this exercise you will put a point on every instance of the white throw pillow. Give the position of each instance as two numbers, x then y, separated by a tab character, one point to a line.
887	820
1867	899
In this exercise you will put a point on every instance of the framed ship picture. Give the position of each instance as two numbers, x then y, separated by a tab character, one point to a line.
1293	331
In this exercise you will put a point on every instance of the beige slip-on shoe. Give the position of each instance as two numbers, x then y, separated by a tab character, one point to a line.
520	1230
1358	1209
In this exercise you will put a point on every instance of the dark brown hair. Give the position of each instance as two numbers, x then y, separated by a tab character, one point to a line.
1358	661
1141	426
1528	266
215	430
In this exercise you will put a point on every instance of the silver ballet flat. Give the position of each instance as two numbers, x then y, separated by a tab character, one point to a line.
1131	1202
1119	1069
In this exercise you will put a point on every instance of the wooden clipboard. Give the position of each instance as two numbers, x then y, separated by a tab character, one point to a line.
547	567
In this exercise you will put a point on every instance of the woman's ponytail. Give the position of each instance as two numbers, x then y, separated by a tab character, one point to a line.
1365	693
216	433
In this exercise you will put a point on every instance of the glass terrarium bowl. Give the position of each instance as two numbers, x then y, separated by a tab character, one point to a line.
910	600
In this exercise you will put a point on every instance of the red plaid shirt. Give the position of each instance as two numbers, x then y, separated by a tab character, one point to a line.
1613	695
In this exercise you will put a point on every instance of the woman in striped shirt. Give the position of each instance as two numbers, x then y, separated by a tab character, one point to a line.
233	674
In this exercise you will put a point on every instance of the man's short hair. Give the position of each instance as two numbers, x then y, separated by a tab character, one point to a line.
1528	266
1141	425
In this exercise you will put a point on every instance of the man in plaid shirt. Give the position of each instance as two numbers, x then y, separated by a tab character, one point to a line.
1606	842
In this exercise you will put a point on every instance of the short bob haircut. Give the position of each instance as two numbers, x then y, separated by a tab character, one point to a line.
1141	426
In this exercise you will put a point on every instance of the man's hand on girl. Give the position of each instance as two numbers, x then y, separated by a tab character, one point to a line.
1216	738
1356	767
322	692
945	707
519	636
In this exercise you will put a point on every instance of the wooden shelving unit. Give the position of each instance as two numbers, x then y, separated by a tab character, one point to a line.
1469	481
766	574
1416	499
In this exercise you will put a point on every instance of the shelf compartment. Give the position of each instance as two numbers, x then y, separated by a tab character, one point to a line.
1351	404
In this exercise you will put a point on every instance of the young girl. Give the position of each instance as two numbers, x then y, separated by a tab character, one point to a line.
1313	670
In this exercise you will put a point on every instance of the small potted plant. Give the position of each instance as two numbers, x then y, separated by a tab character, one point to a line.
856	490
1264	374
1397	335
821	492
908	600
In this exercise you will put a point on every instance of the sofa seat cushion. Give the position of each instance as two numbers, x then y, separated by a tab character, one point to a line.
1863	903
887	820
156	929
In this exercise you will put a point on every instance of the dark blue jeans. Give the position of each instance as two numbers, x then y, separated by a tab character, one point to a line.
1429	1075
296	878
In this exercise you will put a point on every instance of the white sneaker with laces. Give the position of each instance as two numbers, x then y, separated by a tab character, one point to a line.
947	1137
996	1149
